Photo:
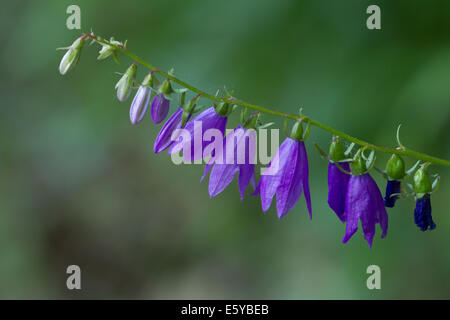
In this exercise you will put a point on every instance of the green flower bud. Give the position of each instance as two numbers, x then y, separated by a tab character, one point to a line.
395	168
125	83
336	150
223	109
108	50
166	88
148	80
252	122
422	182
297	131
72	55
358	165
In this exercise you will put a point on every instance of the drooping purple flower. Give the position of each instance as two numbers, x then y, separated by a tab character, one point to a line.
395	171
160	108
241	144
287	177
364	202
164	138
205	120
422	213
139	104
392	191
337	188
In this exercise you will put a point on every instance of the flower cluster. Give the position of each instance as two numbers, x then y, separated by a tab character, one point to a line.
352	192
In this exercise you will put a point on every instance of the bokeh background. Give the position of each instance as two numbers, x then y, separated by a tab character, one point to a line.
80	185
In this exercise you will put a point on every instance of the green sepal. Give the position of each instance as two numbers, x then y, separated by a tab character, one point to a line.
166	88
266	125
252	122
421	181
413	168
336	150
325	156
358	166
395	168
148	80
370	160
349	149
243	115
435	184
188	108
297	131
223	109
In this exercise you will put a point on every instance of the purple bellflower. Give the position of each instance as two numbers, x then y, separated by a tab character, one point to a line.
337	188
393	188
164	138
363	201
286	176
205	120
422	214
160	108
241	144
337	180
395	170
423	188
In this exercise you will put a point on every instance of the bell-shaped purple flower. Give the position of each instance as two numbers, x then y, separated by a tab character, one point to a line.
364	202
164	138
337	188
395	170
422	213
287	177
205	120
160	108
139	104
393	188
237	154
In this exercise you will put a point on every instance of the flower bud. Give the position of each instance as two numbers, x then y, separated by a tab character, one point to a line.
72	55
160	108
297	131
395	168
125	83
223	109
166	88
358	165
148	80
139	104
140	101
422	183
108	50
336	150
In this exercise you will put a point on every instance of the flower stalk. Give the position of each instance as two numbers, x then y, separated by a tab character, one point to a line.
403	151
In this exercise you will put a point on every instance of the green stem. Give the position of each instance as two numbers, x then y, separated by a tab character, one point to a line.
400	151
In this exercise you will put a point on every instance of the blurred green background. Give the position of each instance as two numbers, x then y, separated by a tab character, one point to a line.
80	185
